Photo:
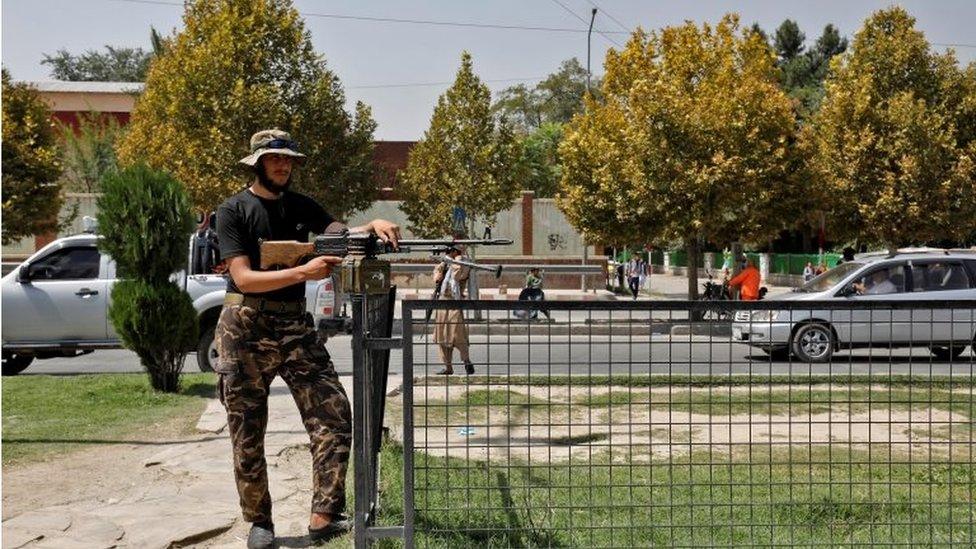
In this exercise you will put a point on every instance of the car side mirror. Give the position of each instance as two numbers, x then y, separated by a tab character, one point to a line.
24	273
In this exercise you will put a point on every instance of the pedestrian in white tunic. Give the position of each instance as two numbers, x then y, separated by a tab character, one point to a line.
450	330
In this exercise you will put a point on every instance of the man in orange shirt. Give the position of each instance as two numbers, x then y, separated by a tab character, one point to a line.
748	279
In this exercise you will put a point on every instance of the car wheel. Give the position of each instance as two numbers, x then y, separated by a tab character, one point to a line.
946	352
813	343
207	349
14	364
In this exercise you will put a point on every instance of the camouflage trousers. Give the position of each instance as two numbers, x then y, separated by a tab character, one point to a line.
254	347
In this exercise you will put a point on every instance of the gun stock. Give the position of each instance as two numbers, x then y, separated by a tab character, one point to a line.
284	253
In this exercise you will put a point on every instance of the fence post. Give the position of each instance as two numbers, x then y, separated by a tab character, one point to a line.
359	389
408	480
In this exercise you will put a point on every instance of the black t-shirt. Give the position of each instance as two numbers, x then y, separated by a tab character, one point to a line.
245	218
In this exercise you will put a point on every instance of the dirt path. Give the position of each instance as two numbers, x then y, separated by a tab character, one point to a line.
168	486
561	423
95	472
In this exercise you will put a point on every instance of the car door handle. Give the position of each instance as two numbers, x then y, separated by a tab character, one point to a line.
86	292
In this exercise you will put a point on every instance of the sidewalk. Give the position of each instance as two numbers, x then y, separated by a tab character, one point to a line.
185	494
659	287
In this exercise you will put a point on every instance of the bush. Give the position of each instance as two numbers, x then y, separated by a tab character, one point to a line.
145	220
145	217
158	322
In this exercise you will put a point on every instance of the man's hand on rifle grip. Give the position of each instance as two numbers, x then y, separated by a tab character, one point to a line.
319	267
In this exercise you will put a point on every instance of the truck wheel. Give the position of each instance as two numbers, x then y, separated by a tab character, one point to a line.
207	349
813	343
14	364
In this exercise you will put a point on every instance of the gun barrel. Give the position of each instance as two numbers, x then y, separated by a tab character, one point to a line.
459	242
496	269
368	244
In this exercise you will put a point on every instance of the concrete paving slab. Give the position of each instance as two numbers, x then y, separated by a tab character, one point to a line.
41	524
213	419
185	494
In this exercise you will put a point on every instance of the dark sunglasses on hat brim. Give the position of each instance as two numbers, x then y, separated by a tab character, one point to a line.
280	144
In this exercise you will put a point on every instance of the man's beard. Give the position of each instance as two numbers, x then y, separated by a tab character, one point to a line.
268	183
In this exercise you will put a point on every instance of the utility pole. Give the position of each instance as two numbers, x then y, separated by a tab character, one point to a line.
589	33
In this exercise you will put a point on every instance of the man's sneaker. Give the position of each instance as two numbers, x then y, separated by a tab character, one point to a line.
340	524
261	536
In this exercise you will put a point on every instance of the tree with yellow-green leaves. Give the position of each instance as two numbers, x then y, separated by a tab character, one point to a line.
466	159
31	164
237	67
692	142
894	143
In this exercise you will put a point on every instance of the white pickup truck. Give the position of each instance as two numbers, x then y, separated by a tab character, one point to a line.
56	303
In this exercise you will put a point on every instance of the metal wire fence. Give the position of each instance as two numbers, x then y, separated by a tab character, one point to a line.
610	424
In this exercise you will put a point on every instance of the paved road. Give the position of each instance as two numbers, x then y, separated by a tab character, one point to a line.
564	355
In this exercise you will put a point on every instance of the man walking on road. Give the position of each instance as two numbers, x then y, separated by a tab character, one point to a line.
450	330
263	332
634	275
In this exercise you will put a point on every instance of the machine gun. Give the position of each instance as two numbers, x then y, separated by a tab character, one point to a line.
361	271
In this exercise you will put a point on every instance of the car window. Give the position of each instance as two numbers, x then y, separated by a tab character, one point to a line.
939	276
67	264
886	280
971	264
831	278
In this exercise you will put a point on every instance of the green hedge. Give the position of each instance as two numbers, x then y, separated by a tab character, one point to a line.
780	263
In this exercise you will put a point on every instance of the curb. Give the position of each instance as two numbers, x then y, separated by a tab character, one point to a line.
557	328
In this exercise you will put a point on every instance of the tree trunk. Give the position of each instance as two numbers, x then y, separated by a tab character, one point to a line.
692	248
164	369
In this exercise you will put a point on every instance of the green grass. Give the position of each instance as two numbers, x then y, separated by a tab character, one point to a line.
46	415
802	495
793	497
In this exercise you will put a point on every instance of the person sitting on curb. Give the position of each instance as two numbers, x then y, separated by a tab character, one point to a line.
808	272
748	280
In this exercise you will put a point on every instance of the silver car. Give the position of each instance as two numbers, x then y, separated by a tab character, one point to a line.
814	334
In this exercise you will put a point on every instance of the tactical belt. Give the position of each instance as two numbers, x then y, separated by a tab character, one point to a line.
265	305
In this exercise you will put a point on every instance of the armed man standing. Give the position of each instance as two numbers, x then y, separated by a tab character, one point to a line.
262	332
450	330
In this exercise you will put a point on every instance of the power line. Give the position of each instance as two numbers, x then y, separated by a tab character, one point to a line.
463	24
466	24
612	18
443	83
953	45
585	22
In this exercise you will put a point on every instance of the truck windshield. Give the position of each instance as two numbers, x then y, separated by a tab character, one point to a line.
831	278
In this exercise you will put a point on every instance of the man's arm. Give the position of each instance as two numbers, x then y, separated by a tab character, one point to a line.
738	279
255	282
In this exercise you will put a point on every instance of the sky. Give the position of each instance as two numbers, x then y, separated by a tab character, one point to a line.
400	69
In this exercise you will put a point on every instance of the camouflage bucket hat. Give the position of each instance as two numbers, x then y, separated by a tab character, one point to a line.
272	141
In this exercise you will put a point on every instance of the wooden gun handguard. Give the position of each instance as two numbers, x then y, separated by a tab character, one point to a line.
284	253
